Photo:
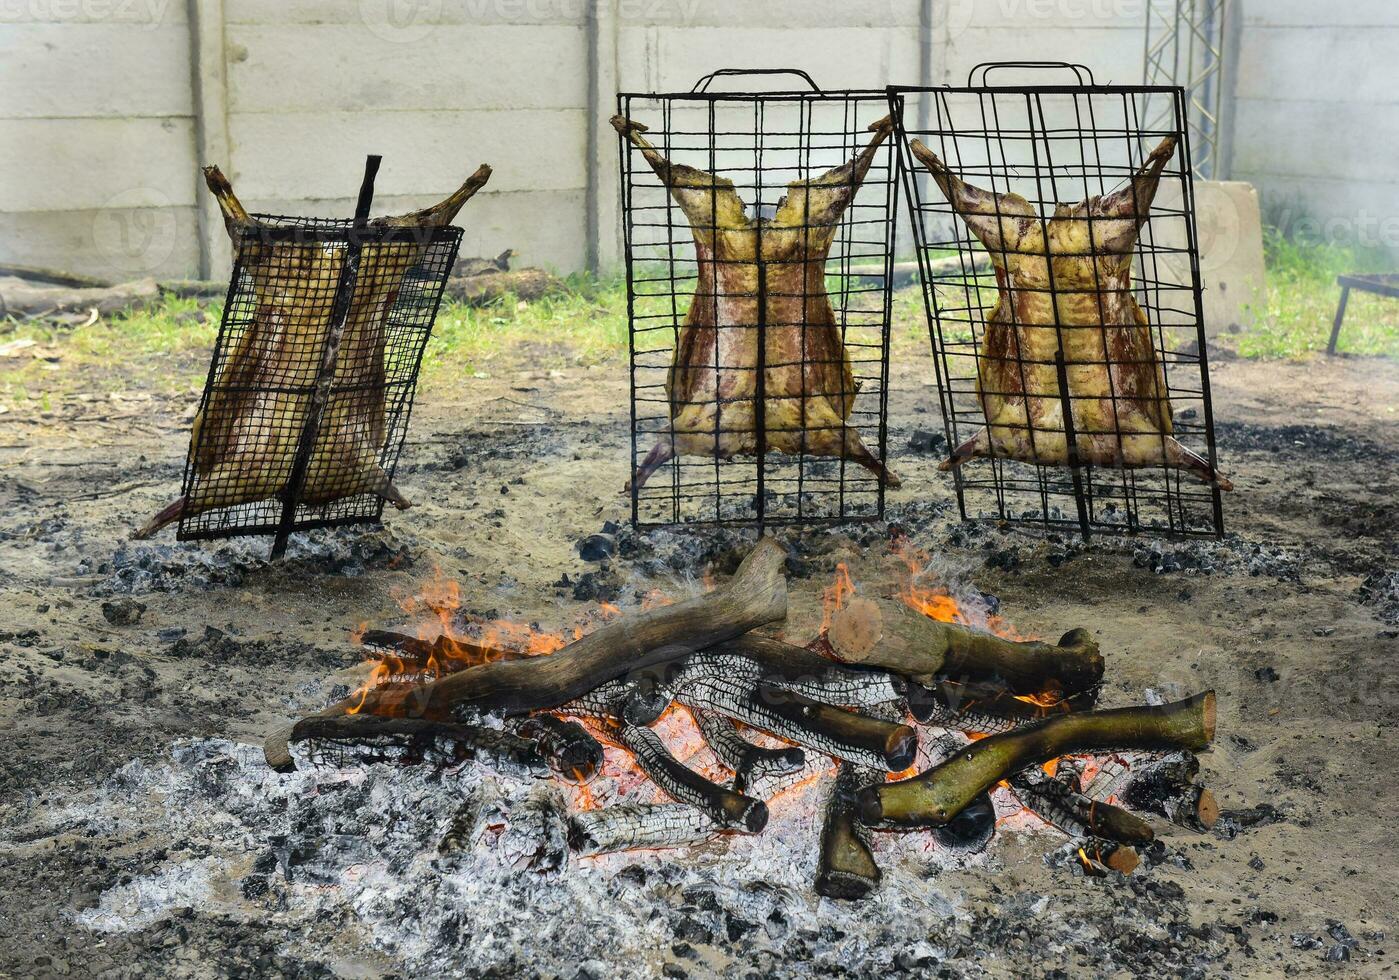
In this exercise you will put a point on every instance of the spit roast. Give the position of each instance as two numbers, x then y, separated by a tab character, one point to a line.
244	439
1065	285
760	301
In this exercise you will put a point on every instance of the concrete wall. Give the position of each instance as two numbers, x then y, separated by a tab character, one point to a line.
107	106
1317	113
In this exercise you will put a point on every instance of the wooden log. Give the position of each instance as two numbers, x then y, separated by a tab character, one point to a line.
1075	814
728	809
569	749
757	594
488	287
986	708
22	299
368	739
934	797
905	641
895	744
846	868
1164	786
747	761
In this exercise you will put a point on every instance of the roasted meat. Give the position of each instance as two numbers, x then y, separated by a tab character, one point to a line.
245	436
1069	277
808	387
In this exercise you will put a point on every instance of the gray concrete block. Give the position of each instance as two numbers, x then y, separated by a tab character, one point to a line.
100	69
291	156
118	243
78	164
1229	233
349	68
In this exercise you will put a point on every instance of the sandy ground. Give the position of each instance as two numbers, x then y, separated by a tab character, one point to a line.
509	471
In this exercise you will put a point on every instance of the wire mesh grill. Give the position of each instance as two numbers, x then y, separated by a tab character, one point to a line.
758	234
1056	239
301	285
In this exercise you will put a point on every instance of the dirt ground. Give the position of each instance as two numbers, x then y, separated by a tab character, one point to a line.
1291	620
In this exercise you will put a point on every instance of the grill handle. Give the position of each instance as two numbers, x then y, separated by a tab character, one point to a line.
986	67
703	84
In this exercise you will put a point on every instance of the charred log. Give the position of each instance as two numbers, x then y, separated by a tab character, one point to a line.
986	708
934	797
832	731
567	747
925	650
757	594
847	868
637	826
748	762
1075	814
729	810
483	807
1164	786
536	831
366	739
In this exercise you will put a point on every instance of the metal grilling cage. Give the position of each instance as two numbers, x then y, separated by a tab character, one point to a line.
314	372
1056	239
758	230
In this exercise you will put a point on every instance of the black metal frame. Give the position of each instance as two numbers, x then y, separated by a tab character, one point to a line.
1380	284
1004	138
761	140
290	397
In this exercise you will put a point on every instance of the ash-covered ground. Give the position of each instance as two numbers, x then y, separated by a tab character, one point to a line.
140	834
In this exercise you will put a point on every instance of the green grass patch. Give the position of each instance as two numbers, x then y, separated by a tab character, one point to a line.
1302	298
587	324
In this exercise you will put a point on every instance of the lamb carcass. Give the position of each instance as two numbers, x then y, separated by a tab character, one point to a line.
808	386
1069	277
244	439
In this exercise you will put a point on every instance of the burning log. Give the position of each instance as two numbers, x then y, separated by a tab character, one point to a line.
847	868
924	650
1164	786
748	762
1078	815
934	797
567	747
834	731
985	708
367	739
726	808
757	594
635	826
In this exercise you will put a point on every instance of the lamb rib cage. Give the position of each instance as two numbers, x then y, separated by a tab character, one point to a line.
758	232
1072	370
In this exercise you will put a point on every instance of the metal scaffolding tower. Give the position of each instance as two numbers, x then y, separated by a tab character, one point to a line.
1191	43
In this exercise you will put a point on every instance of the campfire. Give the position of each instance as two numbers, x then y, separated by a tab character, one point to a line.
690	720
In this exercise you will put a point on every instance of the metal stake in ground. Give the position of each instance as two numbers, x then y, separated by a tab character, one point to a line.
339	311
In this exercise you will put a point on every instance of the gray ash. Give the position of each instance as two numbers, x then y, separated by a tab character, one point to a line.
135	569
210	847
1380	591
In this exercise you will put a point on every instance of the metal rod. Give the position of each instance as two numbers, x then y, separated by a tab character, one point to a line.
320	396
